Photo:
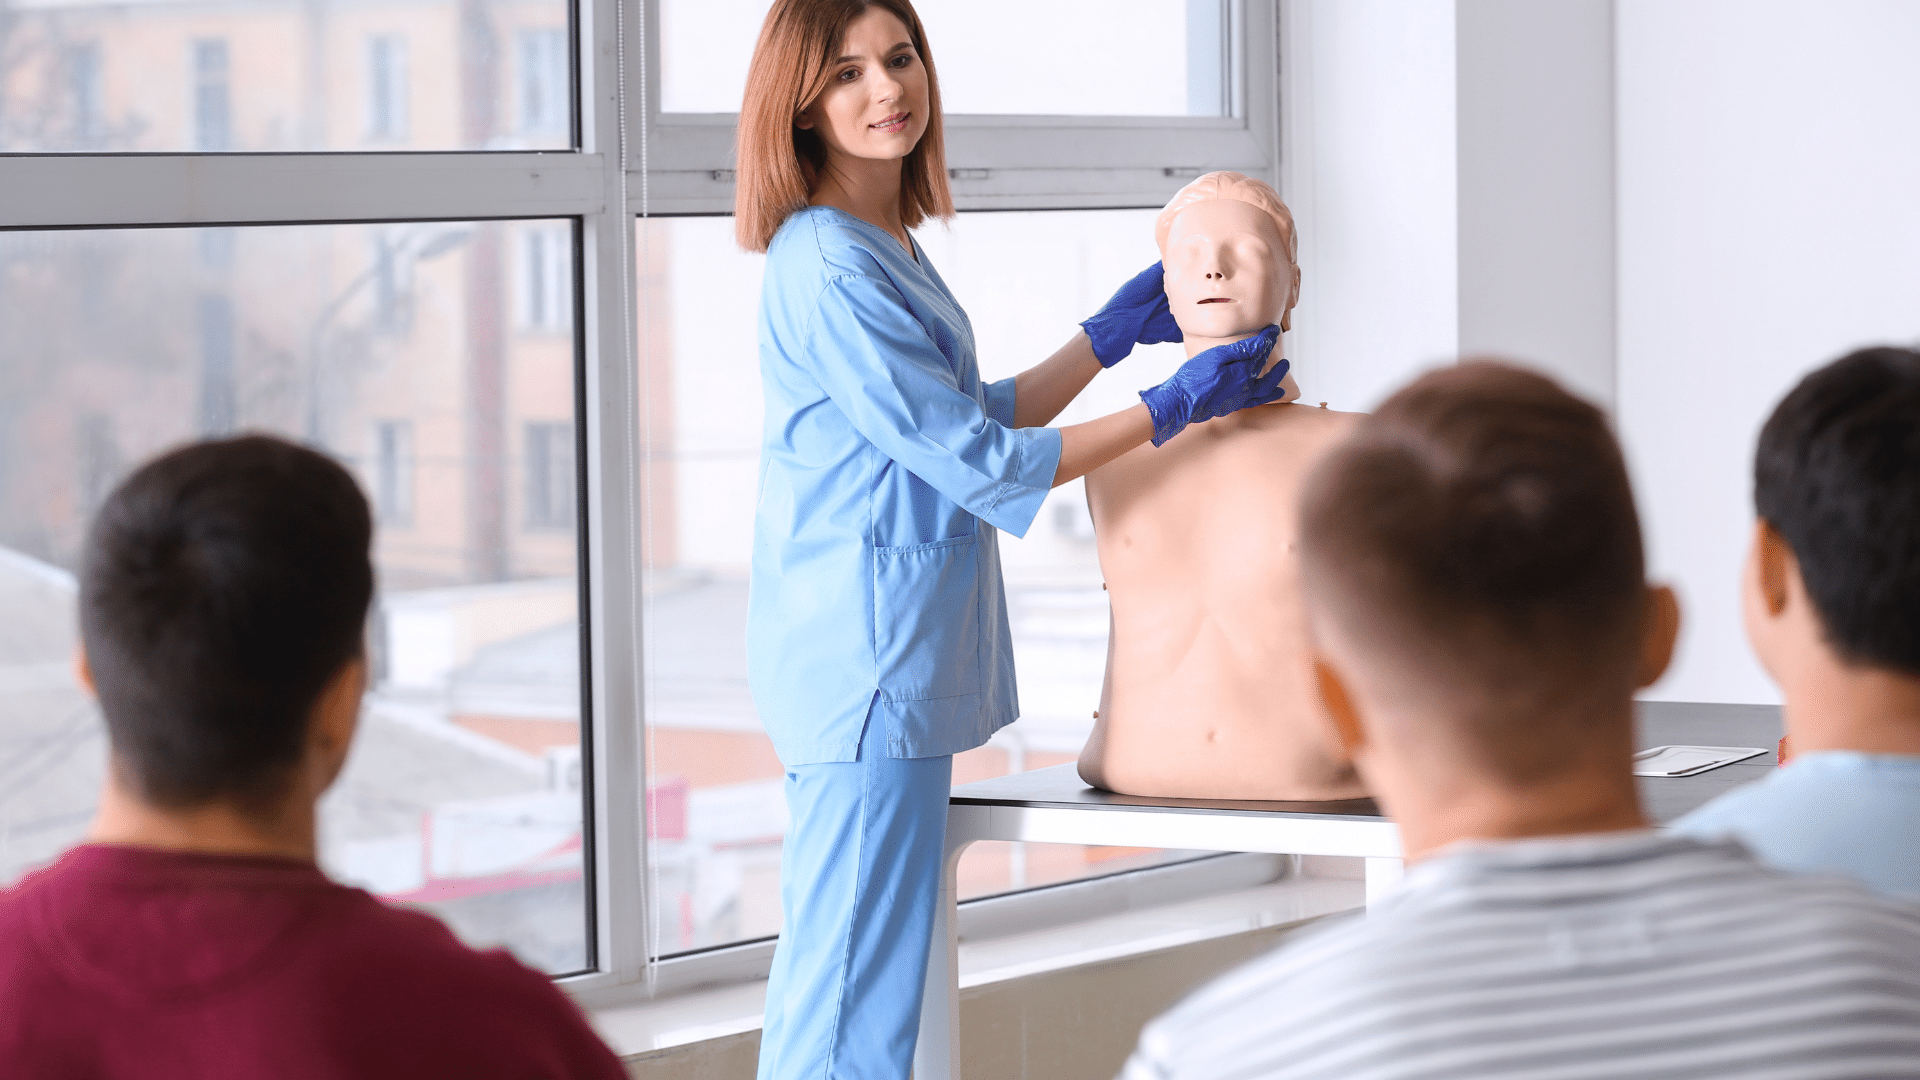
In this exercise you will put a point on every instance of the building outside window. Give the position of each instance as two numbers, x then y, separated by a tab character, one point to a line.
100	460
219	389
84	79
544	298
215	251
542	87
392	281
386	88
551	488
393	472
212	95
263	76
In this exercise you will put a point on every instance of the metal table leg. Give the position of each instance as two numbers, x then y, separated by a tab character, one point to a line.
1383	876
937	1054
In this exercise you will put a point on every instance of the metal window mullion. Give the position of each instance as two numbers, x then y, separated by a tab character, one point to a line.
612	536
93	190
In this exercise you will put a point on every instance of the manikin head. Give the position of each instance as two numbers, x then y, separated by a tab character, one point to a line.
1227	244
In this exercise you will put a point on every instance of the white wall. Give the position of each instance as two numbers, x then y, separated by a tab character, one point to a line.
1536	127
1766	218
1368	168
1769	216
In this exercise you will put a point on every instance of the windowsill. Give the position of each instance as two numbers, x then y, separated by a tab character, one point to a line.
719	1012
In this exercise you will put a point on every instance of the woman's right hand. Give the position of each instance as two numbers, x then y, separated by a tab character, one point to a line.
1137	315
1221	380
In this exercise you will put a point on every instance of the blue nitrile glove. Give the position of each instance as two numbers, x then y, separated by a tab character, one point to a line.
1137	315
1224	379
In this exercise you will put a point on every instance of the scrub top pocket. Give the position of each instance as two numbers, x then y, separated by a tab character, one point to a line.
927	619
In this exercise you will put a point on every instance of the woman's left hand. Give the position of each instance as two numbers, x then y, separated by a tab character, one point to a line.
1219	381
1137	315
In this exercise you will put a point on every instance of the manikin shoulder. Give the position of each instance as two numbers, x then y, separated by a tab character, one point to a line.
1268	449
1293	422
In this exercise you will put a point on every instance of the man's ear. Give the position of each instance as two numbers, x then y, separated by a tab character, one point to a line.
1339	706
1659	629
1293	297
1774	565
83	671
335	717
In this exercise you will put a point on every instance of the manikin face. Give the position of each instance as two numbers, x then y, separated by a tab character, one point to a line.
875	103
1228	274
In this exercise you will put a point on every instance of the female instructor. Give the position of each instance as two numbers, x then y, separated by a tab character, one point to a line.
877	634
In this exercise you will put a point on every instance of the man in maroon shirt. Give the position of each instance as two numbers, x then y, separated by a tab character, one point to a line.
223	603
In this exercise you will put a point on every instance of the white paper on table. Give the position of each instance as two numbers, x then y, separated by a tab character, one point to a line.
1688	760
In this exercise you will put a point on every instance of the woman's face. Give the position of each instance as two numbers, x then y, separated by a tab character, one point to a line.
875	103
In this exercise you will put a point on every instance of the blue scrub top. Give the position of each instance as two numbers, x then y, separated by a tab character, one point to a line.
886	465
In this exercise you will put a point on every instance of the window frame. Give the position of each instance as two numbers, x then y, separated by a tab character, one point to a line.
676	164
1013	162
584	186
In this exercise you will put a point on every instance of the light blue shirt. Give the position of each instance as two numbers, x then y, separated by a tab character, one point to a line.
886	465
1829	812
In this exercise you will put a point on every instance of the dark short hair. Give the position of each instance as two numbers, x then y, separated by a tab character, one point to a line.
1477	534
223	586
1837	475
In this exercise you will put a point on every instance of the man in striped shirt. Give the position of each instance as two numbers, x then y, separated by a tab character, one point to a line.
1475	585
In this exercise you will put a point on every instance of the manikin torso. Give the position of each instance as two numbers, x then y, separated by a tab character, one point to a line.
1208	691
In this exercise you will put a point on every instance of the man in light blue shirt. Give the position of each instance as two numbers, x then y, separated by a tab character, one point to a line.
1832	598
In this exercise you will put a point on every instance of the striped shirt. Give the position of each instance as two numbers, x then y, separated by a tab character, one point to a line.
1608	956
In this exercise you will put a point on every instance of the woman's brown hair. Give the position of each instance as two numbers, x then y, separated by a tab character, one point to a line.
777	164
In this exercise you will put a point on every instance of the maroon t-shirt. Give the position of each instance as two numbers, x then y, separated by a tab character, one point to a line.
131	962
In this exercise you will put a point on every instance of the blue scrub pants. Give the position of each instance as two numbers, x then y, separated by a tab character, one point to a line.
859	877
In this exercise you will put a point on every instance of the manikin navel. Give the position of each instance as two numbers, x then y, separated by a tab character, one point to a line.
1208	691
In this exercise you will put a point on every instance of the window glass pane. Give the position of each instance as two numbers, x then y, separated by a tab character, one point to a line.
1025	280
387	345
269	75
1072	57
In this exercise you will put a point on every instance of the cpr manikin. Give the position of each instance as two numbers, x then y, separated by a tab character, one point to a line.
1208	693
